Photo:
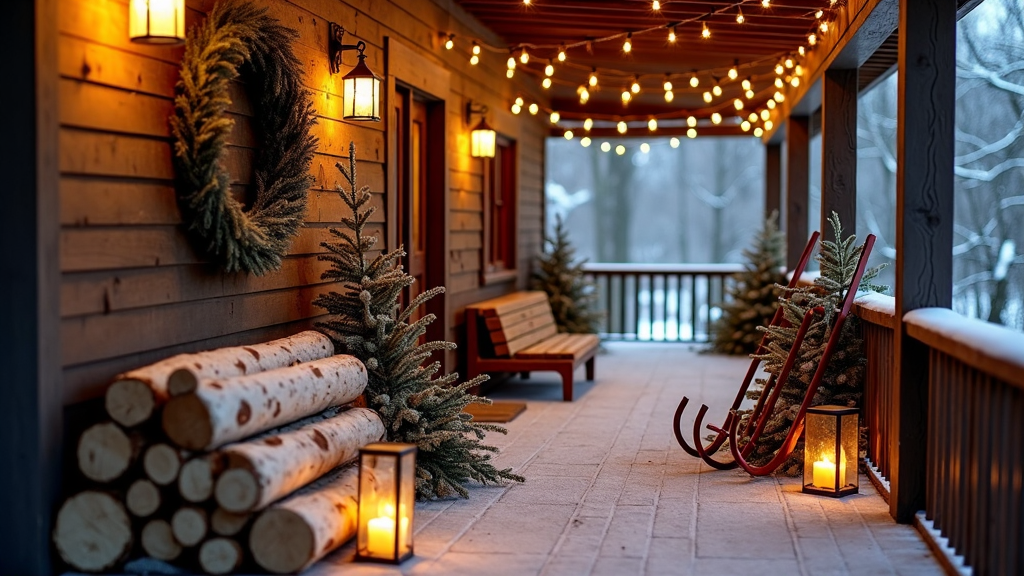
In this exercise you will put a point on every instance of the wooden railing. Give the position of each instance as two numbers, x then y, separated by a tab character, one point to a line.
975	460
878	321
660	302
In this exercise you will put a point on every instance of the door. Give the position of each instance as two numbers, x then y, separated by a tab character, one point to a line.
414	183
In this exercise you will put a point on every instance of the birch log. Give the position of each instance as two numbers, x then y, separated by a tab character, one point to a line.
93	532
162	462
292	534
222	411
220	556
134	395
158	540
224	523
189	525
262	471
105	451
195	480
143	498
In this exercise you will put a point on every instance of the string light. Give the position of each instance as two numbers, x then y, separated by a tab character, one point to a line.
812	39
517	108
620	149
585	141
519	100
546	83
476	48
450	42
739	15
593	77
716	118
799	70
771	104
716	89
645	147
766	3
768	125
652	124
674	142
511	63
746	83
561	53
534	108
555	117
584	94
707	97
691	122
669	96
779	70
605	146
801	51
655	5
694	82
779	97
635	87
568	134
789	62
779	83
474	60
667	84
526	2
510	73
745	126
621	127
691	133
795	81
753	117
524	56
758	132
628	44
819	14
749	94
626	96
823	27
549	69
738	104
733	72
765	114
672	35
705	32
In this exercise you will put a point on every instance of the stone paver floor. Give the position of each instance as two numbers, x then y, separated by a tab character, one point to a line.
609	492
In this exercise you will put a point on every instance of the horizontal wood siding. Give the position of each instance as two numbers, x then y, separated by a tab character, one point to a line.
133	290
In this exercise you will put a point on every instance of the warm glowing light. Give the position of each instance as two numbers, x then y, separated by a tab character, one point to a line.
749	94
546	83
626	96
758	132
779	69
801	51
511	63
549	69
779	83
476	48
716	118
450	42
739	16
768	125
789	62
584	94
794	81
361	93
745	126
707	97
585	141
812	39
765	114
621	127
534	108
482	140
635	87
519	100
667	85
568	134
733	73
628	44
672	35
669	96
691	122
652	124
561	53
691	133
674	142
516	108
645	147
694	82
716	90
738	104
823	27
765	3
620	149
524	56
555	117
771	104
752	117
705	32
527	2
593	78
157	21
474	59
779	97
799	70
655	5
588	124
746	84
605	146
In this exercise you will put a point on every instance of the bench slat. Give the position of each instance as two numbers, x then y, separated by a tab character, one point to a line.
511	332
508	319
567	346
509	303
525	341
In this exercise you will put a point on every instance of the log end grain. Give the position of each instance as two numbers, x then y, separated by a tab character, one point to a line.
195	480
162	463
186	422
143	498
182	381
158	541
237	490
104	452
129	402
220	556
189	525
93	532
281	541
226	523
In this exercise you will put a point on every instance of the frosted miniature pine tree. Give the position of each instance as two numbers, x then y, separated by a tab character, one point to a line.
843	381
754	294
570	293
417	406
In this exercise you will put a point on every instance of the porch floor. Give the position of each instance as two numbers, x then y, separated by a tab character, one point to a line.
608	491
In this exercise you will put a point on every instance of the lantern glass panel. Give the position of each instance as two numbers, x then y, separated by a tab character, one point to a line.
386	502
157	21
362	98
831	451
482	142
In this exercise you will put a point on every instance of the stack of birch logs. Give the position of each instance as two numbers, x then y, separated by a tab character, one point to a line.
232	458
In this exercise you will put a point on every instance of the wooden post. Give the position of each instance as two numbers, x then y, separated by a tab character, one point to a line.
30	413
924	226
773	180
839	150
798	182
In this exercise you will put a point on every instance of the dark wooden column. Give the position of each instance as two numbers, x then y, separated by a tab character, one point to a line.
798	181
773	180
839	150
30	412
924	226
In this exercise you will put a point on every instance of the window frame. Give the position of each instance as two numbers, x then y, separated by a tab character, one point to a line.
497	176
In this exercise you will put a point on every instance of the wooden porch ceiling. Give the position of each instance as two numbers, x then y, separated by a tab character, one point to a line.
594	32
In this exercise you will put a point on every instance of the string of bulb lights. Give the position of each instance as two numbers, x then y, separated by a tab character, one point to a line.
787	71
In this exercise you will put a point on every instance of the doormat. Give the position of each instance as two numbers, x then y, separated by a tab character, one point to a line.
497	412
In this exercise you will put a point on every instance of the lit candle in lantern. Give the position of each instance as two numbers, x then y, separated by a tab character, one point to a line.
825	472
381	536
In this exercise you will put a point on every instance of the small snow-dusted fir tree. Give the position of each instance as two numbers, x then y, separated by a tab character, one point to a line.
843	381
754	295
417	406
570	293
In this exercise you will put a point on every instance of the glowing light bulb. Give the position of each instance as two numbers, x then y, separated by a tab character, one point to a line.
593	79
716	90
620	149
707	97
819	14
779	70
585	141
546	83
605	146
694	82
524	56
626	96
645	147
758	132
534	108
738	104
584	94
510	73
779	83
667	85
691	122
568	135
555	117
588	124
765	114
516	108
823	27
511	63
450	42
635	87
739	16
655	5
561	53
474	60
749	94
801	51
691	133
621	127
789	62
812	39
799	70
519	100
745	84
768	125
476	48
795	81
779	97
672	35
771	104
716	118
752	117
669	96
745	126
652	124
705	32
766	3
526	2
733	73
628	44
549	69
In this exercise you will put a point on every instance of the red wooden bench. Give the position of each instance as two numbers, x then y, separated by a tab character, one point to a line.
517	333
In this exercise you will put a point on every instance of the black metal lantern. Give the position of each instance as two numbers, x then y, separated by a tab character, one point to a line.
831	449
387	498
361	86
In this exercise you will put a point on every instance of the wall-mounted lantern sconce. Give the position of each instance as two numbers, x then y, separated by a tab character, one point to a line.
361	87
482	138
157	21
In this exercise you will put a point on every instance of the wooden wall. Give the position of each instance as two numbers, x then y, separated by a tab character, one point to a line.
133	291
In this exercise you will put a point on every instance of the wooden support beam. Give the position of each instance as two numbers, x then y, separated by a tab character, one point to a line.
773	180
924	227
839	150
798	183
30	412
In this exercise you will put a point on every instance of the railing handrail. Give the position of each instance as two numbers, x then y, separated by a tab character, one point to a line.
989	348
631	268
876	308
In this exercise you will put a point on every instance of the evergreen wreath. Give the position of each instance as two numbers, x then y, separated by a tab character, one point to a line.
239	39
